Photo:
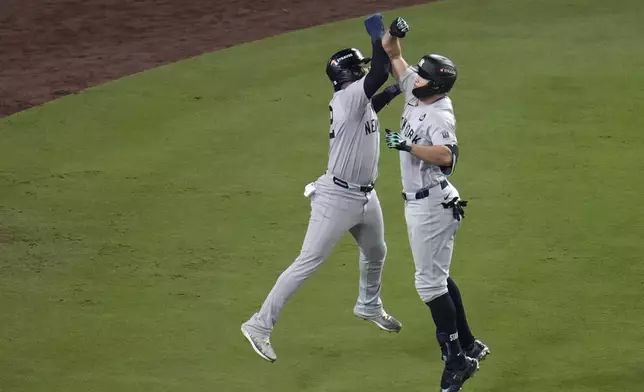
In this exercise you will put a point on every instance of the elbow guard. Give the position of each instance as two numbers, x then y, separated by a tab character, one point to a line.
449	170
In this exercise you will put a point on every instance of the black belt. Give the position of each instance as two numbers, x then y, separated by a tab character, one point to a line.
423	193
343	184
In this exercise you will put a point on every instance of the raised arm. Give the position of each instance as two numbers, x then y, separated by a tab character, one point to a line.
391	45
379	71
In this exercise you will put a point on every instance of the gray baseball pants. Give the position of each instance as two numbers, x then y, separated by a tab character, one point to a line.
334	211
432	230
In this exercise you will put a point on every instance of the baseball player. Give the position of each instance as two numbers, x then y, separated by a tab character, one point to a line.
433	209
343	198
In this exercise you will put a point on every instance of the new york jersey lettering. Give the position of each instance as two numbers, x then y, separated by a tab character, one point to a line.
370	126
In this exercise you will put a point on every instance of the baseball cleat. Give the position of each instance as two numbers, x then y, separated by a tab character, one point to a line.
261	345
452	380
478	350
385	322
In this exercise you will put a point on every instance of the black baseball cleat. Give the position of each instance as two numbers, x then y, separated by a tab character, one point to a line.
452	380
477	350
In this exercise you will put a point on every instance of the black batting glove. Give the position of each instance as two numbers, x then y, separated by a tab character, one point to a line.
395	140
457	205
399	27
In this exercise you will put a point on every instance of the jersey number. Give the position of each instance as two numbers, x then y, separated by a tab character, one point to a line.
332	133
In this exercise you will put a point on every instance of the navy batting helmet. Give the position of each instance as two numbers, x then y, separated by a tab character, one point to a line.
346	65
439	71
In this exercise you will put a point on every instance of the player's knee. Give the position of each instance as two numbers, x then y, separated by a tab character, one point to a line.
429	295
382	251
377	252
429	292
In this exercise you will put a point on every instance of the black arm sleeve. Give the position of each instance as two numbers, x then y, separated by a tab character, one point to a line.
381	99
379	72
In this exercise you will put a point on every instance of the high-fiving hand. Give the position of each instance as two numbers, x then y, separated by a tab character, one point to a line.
375	27
399	27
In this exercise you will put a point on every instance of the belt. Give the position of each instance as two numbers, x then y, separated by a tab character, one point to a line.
347	185
423	193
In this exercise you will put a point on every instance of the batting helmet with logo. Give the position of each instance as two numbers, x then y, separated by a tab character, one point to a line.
439	71
346	65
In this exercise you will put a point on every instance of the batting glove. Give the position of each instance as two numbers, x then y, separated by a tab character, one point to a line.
457	206
399	27
375	27
395	140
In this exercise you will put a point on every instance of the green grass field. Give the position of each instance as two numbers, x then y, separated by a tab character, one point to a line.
141	222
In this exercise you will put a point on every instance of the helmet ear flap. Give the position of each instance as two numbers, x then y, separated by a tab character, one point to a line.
426	91
422	92
359	71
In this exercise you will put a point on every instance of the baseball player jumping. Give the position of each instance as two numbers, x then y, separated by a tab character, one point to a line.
343	198
433	208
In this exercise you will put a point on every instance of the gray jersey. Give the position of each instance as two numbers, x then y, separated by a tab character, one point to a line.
355	143
433	124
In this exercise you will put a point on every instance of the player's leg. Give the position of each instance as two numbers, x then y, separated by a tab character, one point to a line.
444	253
444	230
427	240
473	347
370	237
328	222
464	331
430	229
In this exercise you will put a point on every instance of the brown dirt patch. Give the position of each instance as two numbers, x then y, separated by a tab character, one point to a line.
51	48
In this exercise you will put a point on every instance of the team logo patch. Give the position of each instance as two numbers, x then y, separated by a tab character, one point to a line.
422	117
334	63
448	71
445	135
346	56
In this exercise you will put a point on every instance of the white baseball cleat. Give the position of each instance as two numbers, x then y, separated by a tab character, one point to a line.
384	321
261	345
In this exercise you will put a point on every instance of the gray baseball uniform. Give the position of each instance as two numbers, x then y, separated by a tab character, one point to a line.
339	205
431	227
